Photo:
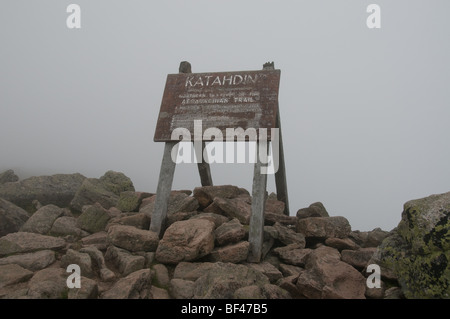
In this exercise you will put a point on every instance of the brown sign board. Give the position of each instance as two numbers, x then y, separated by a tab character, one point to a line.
223	100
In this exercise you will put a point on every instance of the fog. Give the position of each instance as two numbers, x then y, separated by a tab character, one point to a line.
364	112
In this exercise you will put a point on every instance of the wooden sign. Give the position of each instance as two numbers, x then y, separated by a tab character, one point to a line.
224	100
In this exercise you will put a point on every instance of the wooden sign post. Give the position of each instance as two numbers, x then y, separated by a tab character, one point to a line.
234	106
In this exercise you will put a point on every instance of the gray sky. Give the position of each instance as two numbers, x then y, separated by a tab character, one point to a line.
365	112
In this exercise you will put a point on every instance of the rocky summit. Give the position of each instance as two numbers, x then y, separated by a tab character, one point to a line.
69	236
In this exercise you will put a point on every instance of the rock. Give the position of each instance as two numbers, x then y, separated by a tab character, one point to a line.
376	293
272	218
159	293
269	270
232	253
31	261
8	177
217	219
290	270
138	220
130	201
274	206
181	289
99	240
49	283
117	182
64	226
206	194
327	277
87	290
161	276
394	293
186	240
56	189
418	250
93	191
81	259
12	274
358	258
134	286
192	270
12	217
125	262
178	202
293	254
235	208
314	210
22	242
288	236
341	243
132	238
42	220
229	232
222	280
271	291
93	218
248	292
324	227
99	261
371	238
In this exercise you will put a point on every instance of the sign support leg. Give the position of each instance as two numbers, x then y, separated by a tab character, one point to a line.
159	215
280	175
256	232
203	165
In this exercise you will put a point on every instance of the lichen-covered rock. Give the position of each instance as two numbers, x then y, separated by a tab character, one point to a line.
42	220
130	201
94	218
418	250
8	176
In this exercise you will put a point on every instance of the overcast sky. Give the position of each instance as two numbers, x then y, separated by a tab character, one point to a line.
365	112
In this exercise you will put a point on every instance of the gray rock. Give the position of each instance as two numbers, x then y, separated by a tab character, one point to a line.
132	238
64	226
12	274
222	280
186	240
93	191
268	270
232	253
327	277
8	176
130	201
358	258
56	189
31	261
288	236
22	242
49	283
12	217
99	240
192	270
235	208
134	286
94	218
181	289
124	260
229	232
161	276
206	194
83	260
324	227
314	210
159	293
42	220
88	290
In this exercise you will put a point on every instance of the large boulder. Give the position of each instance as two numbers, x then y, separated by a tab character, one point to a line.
105	190
12	217
22	242
223	279
327	277
418	250
56	189
42	220
186	240
324	227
